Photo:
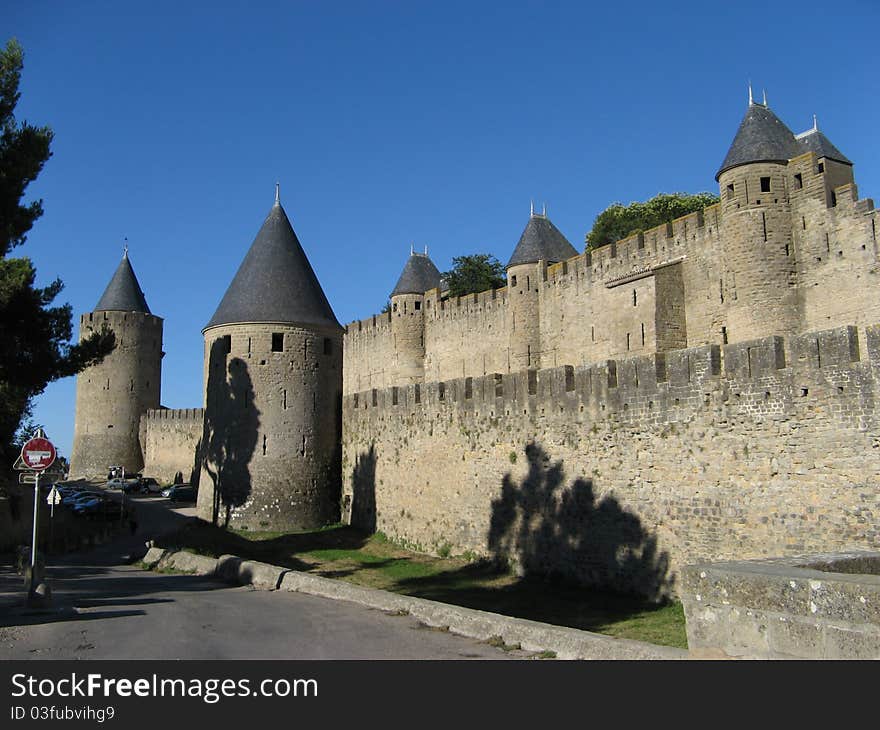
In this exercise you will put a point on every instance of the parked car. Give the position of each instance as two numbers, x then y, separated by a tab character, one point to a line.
149	485
180	493
76	496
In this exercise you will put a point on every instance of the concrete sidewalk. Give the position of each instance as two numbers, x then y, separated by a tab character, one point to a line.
565	643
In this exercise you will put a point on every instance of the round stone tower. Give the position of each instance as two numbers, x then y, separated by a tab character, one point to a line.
541	243
112	396
273	393
758	283
408	316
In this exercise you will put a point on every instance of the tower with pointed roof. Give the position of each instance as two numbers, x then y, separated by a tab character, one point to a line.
419	275
758	267
273	387
540	244
112	396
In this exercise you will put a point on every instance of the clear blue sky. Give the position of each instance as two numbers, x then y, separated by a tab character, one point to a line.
390	123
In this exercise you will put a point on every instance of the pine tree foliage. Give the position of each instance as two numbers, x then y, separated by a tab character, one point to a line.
35	336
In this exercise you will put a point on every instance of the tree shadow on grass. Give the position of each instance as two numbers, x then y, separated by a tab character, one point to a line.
579	560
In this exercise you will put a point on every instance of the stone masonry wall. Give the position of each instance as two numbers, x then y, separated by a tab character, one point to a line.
170	440
622	472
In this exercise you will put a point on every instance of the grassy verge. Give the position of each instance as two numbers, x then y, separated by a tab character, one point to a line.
344	553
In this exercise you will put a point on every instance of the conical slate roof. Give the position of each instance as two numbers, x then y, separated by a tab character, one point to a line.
815	141
275	282
123	293
541	240
418	276
761	137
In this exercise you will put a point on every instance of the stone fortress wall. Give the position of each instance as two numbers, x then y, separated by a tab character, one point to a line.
171	439
631	468
699	391
677	285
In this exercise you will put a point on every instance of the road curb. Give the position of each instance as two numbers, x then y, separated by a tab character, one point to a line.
565	643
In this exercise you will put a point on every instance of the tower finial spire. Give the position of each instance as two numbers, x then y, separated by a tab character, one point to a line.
277	193
764	92
544	210
815	124
531	208
411	245
125	247
426	249
751	100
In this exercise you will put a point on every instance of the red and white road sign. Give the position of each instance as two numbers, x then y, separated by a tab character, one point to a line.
38	454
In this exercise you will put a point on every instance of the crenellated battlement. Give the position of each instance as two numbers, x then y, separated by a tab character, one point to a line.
196	415
660	386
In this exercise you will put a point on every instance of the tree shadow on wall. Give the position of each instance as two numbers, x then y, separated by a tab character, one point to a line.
549	530
230	435
363	486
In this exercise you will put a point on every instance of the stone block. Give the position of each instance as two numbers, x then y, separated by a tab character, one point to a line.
189	563
154	556
262	576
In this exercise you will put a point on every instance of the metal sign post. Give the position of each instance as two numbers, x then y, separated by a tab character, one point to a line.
37	455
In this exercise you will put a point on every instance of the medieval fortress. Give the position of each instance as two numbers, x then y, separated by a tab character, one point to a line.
707	389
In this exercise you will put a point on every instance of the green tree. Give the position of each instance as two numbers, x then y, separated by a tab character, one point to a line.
35	346
618	221
475	273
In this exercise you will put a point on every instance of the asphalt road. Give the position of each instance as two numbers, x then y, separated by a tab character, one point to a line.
104	608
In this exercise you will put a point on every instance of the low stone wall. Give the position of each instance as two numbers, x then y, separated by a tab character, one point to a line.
818	607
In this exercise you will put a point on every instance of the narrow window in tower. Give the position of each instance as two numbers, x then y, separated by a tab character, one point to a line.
764	224
418	306
821	167
721	289
418	393
404	307
787	250
284	399
833	199
724	335
643	334
827	244
277	342
528	359
264	444
441	391
635	298
108	384
528	282
627	340
798	181
328	346
394	307
513	280
249	345
131	386
765	184
225	346
803	223
730	191
593	333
